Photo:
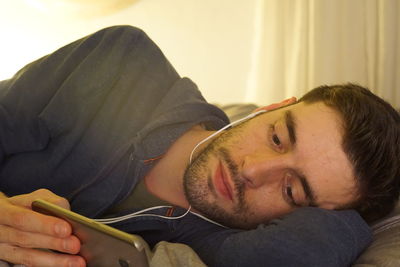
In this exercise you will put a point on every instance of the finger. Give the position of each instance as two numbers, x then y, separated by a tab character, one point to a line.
35	257
27	199
30	221
19	238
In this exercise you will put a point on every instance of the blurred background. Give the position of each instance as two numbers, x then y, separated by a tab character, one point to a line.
257	51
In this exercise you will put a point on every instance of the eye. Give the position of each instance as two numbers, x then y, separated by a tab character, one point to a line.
275	140
289	195
288	191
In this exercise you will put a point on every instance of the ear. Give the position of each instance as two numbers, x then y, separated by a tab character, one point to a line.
283	103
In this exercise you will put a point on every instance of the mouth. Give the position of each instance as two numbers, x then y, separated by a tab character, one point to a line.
222	183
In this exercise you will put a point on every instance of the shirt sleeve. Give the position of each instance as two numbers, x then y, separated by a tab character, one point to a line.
306	237
50	105
25	97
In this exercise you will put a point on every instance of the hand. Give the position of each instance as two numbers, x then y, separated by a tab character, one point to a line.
22	231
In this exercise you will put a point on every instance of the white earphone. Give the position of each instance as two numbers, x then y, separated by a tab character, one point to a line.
142	212
232	124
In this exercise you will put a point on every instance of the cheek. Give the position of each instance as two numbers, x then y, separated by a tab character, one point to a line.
266	204
244	140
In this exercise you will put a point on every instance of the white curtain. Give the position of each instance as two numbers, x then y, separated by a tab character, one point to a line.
301	44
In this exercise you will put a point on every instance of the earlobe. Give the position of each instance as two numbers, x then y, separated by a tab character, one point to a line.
273	106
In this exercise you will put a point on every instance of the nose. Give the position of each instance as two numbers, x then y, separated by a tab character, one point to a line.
260	169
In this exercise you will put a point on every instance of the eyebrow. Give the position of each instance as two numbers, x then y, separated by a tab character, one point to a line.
291	126
310	195
290	122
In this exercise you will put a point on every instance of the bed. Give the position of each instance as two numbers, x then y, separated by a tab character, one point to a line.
384	251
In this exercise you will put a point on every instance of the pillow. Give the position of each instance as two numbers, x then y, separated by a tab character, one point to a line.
385	248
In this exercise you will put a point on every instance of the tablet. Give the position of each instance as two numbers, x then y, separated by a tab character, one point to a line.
101	245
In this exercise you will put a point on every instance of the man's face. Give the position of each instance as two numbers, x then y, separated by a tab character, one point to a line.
270	165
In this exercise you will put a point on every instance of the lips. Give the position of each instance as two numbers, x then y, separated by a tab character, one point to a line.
222	184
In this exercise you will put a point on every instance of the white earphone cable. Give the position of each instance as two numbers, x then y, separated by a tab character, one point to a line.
141	213
222	129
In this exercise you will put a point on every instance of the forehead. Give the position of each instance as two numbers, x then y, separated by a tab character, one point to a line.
319	153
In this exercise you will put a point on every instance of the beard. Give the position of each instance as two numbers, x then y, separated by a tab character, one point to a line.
199	188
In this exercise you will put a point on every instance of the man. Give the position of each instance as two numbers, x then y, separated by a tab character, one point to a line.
106	122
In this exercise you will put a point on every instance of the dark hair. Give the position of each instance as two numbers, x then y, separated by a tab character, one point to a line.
371	140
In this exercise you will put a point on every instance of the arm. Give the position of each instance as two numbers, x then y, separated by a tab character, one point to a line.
36	106
48	97
64	116
21	229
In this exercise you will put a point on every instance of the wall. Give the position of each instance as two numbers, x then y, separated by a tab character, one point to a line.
208	41
258	51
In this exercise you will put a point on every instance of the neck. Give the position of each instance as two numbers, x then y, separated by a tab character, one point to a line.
165	179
